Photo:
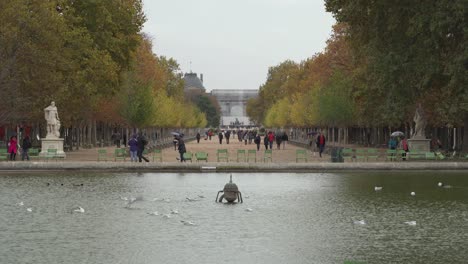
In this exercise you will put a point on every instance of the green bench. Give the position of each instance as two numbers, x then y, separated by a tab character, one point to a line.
188	156
268	155
4	154
201	156
33	153
301	154
361	154
391	155
222	154
241	155
347	154
252	155
102	155
120	154
372	153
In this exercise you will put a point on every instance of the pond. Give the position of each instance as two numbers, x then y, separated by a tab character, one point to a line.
294	218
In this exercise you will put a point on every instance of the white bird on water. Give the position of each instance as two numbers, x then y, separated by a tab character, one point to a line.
154	213
411	223
188	223
29	209
413	193
79	209
377	188
360	222
20	203
440	184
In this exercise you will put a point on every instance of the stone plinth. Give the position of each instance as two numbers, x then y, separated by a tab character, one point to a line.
419	144
52	143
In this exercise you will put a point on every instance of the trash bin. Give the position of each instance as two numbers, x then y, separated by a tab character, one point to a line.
336	154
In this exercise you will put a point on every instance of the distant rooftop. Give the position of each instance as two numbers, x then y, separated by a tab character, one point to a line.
193	82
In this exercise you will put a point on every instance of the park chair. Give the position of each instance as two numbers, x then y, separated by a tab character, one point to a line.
401	154
51	154
33	153
188	156
252	155
102	155
372	153
301	154
430	156
222	154
157	154
391	154
361	154
120	154
268	155
241	155
3	154
441	156
347	154
201	156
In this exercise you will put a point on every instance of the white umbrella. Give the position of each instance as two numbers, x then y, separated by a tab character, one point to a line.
175	134
397	134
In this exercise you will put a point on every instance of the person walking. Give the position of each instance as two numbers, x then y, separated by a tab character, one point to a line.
271	138
13	147
405	147
228	135
26	146
181	148
142	142
220	136
257	141
133	144
265	141
279	139
321	143
198	137
284	139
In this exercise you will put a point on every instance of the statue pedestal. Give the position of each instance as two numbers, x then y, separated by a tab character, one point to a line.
52	143
419	144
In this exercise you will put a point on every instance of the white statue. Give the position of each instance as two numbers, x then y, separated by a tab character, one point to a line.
53	121
420	123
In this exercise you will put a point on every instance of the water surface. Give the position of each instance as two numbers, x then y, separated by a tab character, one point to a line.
295	218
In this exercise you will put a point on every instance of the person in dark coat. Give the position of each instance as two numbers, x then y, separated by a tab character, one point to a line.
220	136
284	139
266	141
321	143
228	135
198	137
181	148
133	144
142	142
26	146
257	141
278	140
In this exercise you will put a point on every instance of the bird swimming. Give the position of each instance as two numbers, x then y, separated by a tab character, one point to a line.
411	223
78	209
20	203
413	193
29	209
360	222
153	213
377	188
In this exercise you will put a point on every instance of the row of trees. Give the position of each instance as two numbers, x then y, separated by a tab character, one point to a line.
382	60
91	58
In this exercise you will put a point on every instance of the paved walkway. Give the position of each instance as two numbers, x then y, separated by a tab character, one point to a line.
286	155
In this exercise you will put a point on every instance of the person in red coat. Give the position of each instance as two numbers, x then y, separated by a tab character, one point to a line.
13	147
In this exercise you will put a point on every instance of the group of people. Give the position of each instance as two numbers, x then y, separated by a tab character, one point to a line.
137	145
13	147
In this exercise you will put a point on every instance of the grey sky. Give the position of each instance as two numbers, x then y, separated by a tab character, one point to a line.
234	42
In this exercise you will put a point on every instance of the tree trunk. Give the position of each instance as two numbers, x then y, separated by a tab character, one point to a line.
465	134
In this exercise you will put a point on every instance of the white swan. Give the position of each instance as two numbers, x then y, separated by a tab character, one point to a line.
79	209
360	222
411	223
29	209
377	188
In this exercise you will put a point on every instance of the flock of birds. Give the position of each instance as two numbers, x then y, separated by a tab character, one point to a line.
132	200
410	223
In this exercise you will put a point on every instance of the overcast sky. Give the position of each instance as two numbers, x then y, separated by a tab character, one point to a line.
234	42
